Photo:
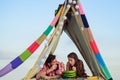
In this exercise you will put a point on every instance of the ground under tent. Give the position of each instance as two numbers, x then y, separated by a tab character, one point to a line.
70	18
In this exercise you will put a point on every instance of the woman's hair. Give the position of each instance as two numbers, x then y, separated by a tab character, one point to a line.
50	58
74	56
78	64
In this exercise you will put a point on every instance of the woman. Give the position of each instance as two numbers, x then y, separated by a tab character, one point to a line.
51	69
76	64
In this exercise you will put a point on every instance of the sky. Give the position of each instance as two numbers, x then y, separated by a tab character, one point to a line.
23	21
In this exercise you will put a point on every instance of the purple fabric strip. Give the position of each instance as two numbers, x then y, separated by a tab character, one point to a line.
5	70
16	62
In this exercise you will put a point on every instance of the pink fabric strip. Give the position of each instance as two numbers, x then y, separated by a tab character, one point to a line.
54	21
80	8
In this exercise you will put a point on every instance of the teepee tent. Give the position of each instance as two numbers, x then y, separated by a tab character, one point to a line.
70	18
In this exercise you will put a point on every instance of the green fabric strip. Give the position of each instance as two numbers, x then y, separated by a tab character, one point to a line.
47	31
78	0
106	72
25	55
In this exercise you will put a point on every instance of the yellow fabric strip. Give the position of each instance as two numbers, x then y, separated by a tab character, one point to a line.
41	39
89	33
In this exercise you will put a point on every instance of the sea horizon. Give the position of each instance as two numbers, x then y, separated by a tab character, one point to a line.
20	72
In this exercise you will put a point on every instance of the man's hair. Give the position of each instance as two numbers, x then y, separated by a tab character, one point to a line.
50	58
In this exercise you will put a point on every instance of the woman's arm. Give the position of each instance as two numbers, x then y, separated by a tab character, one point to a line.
67	66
